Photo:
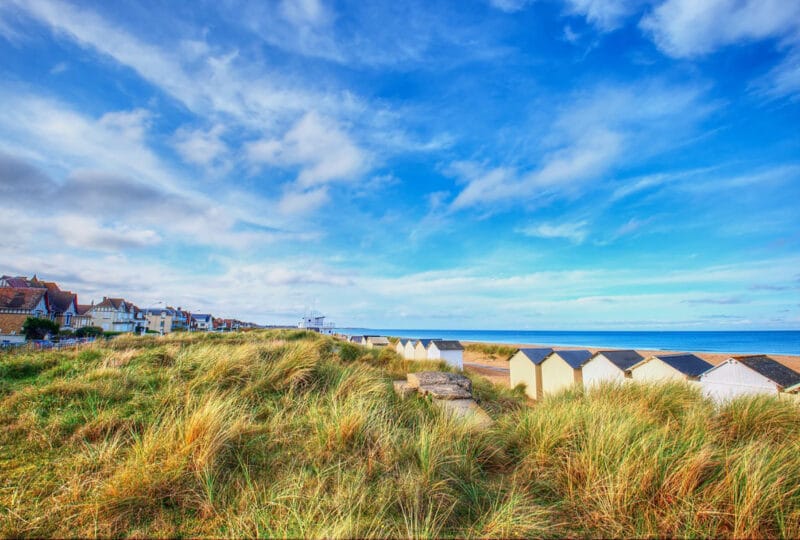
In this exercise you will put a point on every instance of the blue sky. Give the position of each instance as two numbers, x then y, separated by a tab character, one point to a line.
543	164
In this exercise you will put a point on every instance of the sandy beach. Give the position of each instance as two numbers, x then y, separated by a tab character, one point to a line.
496	369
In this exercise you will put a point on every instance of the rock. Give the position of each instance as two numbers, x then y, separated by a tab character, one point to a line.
430	378
402	389
445	391
467	410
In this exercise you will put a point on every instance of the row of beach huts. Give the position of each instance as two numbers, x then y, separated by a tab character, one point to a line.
546	371
448	351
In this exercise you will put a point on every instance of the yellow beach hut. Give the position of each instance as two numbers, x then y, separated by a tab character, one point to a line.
525	367
562	369
669	367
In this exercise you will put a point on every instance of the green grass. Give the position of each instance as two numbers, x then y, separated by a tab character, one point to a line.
290	434
492	350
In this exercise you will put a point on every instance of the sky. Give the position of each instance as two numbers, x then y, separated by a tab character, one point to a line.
486	164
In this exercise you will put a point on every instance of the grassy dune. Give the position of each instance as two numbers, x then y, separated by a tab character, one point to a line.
290	434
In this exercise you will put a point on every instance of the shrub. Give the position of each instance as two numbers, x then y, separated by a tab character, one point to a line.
37	328
89	331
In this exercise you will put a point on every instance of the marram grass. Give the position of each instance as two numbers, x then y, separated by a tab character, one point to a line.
289	434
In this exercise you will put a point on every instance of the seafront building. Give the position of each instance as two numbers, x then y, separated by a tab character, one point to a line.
669	367
562	369
525	367
747	375
609	366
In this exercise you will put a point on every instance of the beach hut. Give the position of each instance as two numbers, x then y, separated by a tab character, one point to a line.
357	339
666	367
448	350
408	353
374	342
747	375
562	369
609	366
400	346
421	349
526	367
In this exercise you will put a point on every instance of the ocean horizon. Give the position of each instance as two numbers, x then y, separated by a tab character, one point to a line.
712	341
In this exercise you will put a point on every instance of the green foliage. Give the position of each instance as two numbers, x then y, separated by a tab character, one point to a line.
491	350
89	331
37	328
271	434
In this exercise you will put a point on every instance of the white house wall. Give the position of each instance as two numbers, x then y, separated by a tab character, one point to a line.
453	358
733	379
599	370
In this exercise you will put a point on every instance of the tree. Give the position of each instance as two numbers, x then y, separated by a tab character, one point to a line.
89	331
36	328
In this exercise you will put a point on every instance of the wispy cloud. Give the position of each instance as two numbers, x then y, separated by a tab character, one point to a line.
574	232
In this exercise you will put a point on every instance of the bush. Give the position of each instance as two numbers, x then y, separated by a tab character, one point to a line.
37	328
89	331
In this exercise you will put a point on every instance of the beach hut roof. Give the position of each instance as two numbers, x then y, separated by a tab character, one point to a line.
769	368
688	364
377	340
448	345
575	358
425	342
535	355
624	359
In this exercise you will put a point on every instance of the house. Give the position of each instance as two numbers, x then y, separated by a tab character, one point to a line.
64	308
16	305
525	367
161	320
609	366
408	352
202	322
562	369
448	350
376	341
421	349
747	375
113	315
666	367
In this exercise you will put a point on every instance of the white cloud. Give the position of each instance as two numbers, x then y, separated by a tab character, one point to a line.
201	147
574	232
84	232
510	6
687	28
607	15
323	152
294	203
588	138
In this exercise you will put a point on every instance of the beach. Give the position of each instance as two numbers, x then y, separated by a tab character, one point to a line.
496	369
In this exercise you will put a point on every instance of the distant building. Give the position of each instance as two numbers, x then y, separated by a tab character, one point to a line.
357	339
374	342
609	366
114	315
449	351
316	322
16	305
525	367
747	375
400	346
408	349
202	322
669	367
562	370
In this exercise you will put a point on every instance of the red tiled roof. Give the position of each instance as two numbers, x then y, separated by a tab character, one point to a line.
21	297
61	300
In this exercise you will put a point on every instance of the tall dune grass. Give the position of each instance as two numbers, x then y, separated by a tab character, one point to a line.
289	434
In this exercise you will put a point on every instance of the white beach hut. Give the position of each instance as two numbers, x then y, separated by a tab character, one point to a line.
450	351
421	349
525	367
408	352
747	375
609	366
669	367
562	369
400	346
375	342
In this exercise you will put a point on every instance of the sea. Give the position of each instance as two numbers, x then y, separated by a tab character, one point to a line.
737	342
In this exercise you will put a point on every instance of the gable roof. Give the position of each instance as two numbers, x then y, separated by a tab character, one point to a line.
24	298
769	368
356	339
623	359
17	282
83	309
424	342
115	303
575	358
688	364
535	355
60	301
448	345
377	340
